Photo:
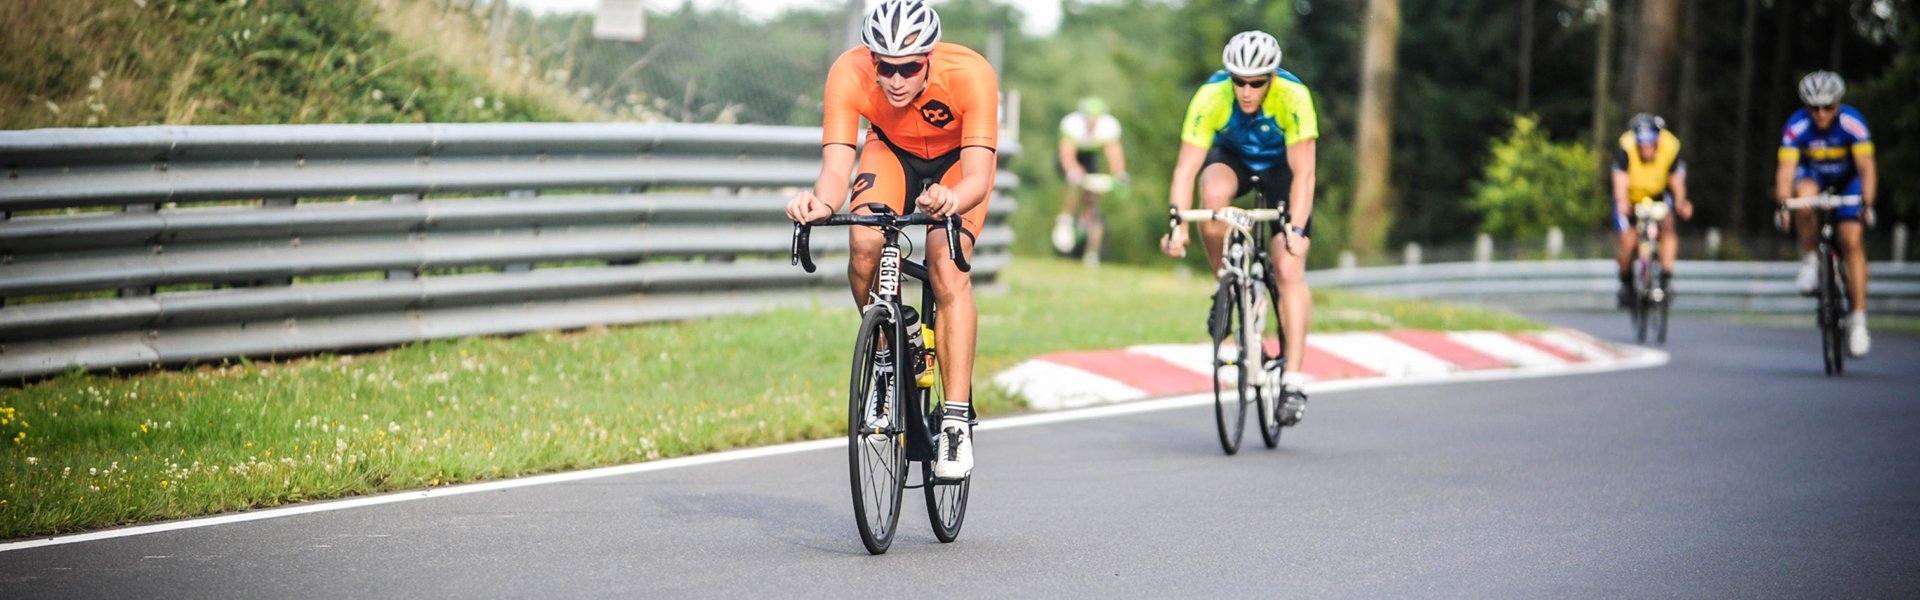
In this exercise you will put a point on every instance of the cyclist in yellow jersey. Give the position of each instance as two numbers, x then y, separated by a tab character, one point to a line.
1647	168
1254	118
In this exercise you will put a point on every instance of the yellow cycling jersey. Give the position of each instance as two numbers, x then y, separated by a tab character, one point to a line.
1260	140
1648	179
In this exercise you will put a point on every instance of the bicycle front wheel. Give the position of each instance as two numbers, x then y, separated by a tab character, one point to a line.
1269	391
1830	342
1657	311
1641	288
876	453
1230	370
946	500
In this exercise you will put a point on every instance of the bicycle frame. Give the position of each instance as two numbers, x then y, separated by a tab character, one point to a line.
1832	292
884	295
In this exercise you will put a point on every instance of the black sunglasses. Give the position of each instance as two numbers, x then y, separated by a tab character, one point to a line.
1827	108
1250	83
887	69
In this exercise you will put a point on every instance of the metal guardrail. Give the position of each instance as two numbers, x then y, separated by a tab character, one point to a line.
245	268
1699	286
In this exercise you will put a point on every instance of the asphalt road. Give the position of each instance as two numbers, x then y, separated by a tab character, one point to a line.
1738	470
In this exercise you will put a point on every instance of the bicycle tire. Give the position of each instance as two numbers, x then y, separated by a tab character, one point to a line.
1269	405
1640	288
1230	412
1840	313
876	462
946	501
1658	313
1829	330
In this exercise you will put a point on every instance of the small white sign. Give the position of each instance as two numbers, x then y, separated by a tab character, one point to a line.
620	20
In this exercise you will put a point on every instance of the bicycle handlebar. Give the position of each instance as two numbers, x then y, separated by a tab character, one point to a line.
1821	201
802	234
1232	215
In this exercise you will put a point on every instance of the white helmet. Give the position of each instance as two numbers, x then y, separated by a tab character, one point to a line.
901	28
1821	88
1251	53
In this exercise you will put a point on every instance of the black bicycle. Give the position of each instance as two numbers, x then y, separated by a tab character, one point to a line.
1649	305
878	445
1246	295
1833	308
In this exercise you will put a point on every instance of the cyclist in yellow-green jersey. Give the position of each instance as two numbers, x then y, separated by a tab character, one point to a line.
1254	118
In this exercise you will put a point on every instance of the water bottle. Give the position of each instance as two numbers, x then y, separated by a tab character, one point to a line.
919	346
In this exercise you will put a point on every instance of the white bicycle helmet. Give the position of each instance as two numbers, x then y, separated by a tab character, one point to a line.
901	28
1821	88
1251	53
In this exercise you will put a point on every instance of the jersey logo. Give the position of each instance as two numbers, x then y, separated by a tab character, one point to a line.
936	113
862	183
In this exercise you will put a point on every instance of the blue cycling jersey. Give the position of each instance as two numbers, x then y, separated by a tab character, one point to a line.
1827	156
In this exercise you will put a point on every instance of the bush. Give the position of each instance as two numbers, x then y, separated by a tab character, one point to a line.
1532	184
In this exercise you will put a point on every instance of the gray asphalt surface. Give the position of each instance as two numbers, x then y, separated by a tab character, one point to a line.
1737	471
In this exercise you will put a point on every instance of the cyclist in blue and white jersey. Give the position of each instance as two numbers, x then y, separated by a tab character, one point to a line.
1826	146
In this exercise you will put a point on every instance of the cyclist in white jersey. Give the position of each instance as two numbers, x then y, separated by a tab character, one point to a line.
1086	136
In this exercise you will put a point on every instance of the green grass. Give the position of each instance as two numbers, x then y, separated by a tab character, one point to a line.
85	451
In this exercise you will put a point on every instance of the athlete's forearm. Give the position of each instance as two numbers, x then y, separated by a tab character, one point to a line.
836	169
1869	178
978	165
1678	183
1068	162
1116	158
1302	159
1783	182
1619	179
1185	170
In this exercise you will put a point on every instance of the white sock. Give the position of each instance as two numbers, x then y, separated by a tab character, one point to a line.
1860	318
1293	380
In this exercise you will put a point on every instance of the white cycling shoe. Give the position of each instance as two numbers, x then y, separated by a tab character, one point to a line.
1809	276
1063	234
955	447
1857	341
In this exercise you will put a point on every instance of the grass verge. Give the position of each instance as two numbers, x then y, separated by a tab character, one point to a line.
85	451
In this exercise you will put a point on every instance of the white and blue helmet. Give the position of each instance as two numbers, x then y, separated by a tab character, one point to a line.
901	28
1251	53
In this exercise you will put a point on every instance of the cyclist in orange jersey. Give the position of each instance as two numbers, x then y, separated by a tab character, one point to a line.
934	114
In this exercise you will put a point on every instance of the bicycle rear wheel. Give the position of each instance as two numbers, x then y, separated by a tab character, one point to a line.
876	457
1229	365
1269	392
946	501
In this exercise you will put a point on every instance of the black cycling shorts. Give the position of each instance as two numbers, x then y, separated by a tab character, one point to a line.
1275	182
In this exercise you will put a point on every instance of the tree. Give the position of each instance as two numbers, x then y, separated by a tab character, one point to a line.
1653	55
1371	214
1532	184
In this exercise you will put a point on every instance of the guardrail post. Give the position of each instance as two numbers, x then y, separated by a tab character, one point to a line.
520	267
1348	261
1556	243
1713	243
1899	243
402	274
1483	248
1411	256
266	203
132	292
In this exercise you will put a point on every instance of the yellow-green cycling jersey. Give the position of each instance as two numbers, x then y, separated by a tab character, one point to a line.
1260	139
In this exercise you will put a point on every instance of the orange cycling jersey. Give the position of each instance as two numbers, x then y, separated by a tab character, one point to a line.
959	108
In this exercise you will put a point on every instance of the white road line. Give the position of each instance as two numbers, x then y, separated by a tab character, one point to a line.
1197	358
1382	354
1051	386
1638	358
1501	346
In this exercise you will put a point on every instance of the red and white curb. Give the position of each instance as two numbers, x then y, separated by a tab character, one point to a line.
1334	361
